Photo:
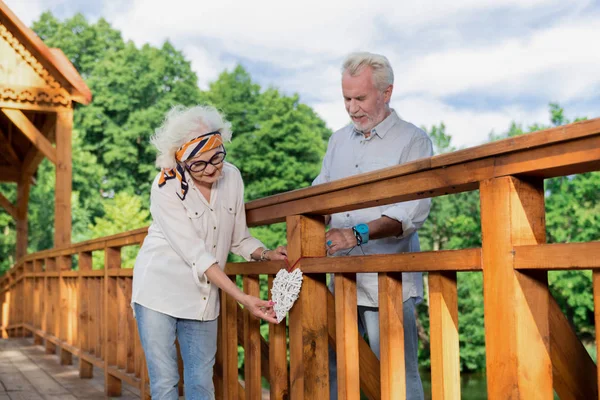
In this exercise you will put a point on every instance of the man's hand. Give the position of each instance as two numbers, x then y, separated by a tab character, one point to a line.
339	239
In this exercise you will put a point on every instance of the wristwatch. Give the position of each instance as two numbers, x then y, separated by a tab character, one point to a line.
361	231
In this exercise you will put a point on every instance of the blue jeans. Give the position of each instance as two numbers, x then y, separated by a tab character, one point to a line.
368	323
198	346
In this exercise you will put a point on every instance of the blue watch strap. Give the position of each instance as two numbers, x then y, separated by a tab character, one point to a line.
362	233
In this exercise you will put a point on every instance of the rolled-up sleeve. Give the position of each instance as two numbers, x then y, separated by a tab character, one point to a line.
242	242
412	214
170	214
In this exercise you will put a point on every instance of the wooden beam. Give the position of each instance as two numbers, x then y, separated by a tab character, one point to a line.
369	375
277	361
8	206
9	174
346	323
576	156
62	203
309	353
391	336
252	343
444	343
31	132
34	157
558	256
516	304
573	371
23	188
8	152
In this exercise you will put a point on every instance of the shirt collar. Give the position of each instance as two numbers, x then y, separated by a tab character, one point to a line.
383	127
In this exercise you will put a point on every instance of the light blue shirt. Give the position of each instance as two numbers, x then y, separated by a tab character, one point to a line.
349	153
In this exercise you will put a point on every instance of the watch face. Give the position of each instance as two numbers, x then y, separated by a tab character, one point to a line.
362	228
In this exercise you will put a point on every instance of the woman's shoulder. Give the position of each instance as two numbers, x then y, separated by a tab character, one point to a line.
232	172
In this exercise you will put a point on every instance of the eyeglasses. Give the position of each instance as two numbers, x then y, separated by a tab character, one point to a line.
200	166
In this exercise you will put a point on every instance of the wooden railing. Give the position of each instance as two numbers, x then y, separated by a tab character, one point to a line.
531	348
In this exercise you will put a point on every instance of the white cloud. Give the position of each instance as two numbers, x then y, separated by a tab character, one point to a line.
440	51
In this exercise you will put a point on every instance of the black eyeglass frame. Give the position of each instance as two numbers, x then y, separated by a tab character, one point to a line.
205	163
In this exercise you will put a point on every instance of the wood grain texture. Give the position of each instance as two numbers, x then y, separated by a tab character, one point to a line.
443	328
517	336
346	325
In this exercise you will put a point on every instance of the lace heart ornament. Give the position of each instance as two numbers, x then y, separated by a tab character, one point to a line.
285	291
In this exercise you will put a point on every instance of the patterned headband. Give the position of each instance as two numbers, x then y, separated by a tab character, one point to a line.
200	144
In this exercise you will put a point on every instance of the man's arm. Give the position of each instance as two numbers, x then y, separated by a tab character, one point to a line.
379	228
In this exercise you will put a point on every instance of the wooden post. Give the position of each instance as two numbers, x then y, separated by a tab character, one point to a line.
252	376
391	336
309	360
63	263
23	187
516	304
86	368
443	322
278	368
230	352
62	207
346	328
112	261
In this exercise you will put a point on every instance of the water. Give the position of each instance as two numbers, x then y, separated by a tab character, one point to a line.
472	386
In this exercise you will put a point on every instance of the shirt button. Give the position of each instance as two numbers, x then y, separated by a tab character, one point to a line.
204	298
348	215
356	165
214	246
196	213
214	227
211	209
208	282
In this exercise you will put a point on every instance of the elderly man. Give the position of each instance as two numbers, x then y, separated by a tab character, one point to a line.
376	138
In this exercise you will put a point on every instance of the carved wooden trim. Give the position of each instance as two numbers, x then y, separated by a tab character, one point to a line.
28	57
26	94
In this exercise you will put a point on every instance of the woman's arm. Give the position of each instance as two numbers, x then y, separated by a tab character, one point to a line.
257	307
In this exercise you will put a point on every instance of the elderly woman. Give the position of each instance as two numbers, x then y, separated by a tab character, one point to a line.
197	206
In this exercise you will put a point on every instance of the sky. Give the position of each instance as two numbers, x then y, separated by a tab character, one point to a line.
476	65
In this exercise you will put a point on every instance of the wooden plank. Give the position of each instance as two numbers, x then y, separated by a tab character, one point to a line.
575	156
346	326
517	337
596	287
112	260
369	364
64	306
391	336
552	136
254	268
278	368
443	328
31	132
8	206
558	256
131	330
218	381
230	369
122	311
34	157
252	344
8	152
9	174
23	188
574	373
62	202
309	359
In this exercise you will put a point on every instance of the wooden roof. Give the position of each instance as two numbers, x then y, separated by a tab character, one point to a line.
13	30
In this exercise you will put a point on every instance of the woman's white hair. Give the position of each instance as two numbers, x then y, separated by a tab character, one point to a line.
183	124
383	75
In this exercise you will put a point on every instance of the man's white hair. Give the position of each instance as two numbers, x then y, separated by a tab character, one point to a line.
383	75
183	124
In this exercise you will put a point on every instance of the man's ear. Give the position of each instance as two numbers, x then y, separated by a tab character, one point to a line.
387	93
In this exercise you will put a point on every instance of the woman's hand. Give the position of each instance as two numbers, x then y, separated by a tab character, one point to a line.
260	308
280	253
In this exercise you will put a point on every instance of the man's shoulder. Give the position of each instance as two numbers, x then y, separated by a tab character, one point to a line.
406	127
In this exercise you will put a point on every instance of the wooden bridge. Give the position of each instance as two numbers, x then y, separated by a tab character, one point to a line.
531	350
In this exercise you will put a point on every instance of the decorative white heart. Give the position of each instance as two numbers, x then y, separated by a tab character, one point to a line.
285	291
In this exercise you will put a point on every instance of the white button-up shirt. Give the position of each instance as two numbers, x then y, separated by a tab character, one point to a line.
392	142
185	239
